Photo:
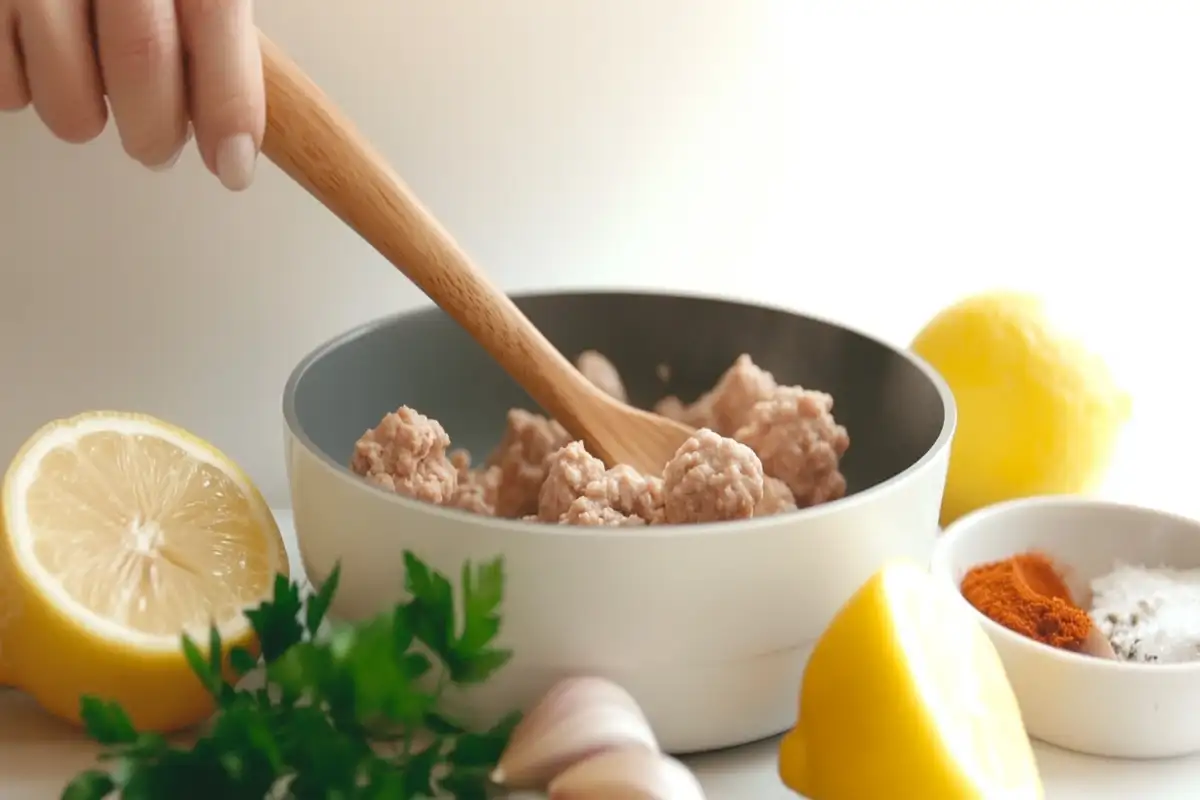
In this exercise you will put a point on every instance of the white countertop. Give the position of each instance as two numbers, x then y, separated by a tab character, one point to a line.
38	754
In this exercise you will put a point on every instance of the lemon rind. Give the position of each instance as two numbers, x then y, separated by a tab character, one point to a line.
903	583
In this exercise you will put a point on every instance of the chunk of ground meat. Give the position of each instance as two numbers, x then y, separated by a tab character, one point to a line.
650	504
521	457
725	408
626	491
579	491
711	478
777	498
800	443
406	453
695	415
603	375
477	491
461	459
586	511
568	472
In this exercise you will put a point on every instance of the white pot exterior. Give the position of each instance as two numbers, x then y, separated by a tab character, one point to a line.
709	627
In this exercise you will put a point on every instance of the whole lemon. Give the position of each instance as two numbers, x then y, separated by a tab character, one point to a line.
1037	413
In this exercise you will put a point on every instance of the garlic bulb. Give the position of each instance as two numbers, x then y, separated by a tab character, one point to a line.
627	774
578	718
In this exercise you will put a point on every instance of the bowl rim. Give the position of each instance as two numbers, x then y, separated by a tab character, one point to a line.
731	527
941	566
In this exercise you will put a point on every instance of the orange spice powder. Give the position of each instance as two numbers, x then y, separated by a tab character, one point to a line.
1027	595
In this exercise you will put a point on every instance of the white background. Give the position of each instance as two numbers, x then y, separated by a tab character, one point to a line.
865	161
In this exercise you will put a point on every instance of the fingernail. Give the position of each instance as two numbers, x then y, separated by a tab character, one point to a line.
235	162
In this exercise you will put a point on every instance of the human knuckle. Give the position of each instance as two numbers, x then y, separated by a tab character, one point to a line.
145	48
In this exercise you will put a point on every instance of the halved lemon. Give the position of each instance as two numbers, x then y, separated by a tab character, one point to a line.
120	533
905	696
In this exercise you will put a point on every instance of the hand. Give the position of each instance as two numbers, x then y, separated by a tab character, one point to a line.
162	64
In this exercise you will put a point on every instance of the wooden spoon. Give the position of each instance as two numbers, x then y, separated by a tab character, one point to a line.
315	144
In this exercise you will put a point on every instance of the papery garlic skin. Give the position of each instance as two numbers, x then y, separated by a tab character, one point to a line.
578	718
627	774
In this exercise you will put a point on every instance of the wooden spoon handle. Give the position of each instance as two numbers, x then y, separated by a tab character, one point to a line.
315	144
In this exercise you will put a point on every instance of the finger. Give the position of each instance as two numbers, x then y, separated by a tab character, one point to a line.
225	84
60	65
14	89
141	62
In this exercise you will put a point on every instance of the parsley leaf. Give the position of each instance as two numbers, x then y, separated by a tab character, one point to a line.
348	711
483	591
89	785
318	604
430	614
275	623
107	723
468	656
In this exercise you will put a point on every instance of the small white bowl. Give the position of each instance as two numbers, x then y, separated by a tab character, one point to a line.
1085	704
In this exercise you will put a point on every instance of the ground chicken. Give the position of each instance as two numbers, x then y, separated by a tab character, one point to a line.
568	472
629	493
579	491
799	442
603	375
586	511
521	458
406	453
477	492
650	504
538	474
711	478
726	408
461	459
695	415
777	498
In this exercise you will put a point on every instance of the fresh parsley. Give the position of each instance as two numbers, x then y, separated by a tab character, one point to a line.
346	711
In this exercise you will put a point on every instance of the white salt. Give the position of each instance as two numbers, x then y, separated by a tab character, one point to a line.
1149	614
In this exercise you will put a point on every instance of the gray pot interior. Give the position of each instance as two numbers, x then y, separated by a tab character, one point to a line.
895	409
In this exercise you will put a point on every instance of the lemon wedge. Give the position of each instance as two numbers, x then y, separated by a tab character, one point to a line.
905	696
1037	412
120	533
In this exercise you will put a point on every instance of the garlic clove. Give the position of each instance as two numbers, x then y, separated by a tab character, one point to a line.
578	718
627	774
